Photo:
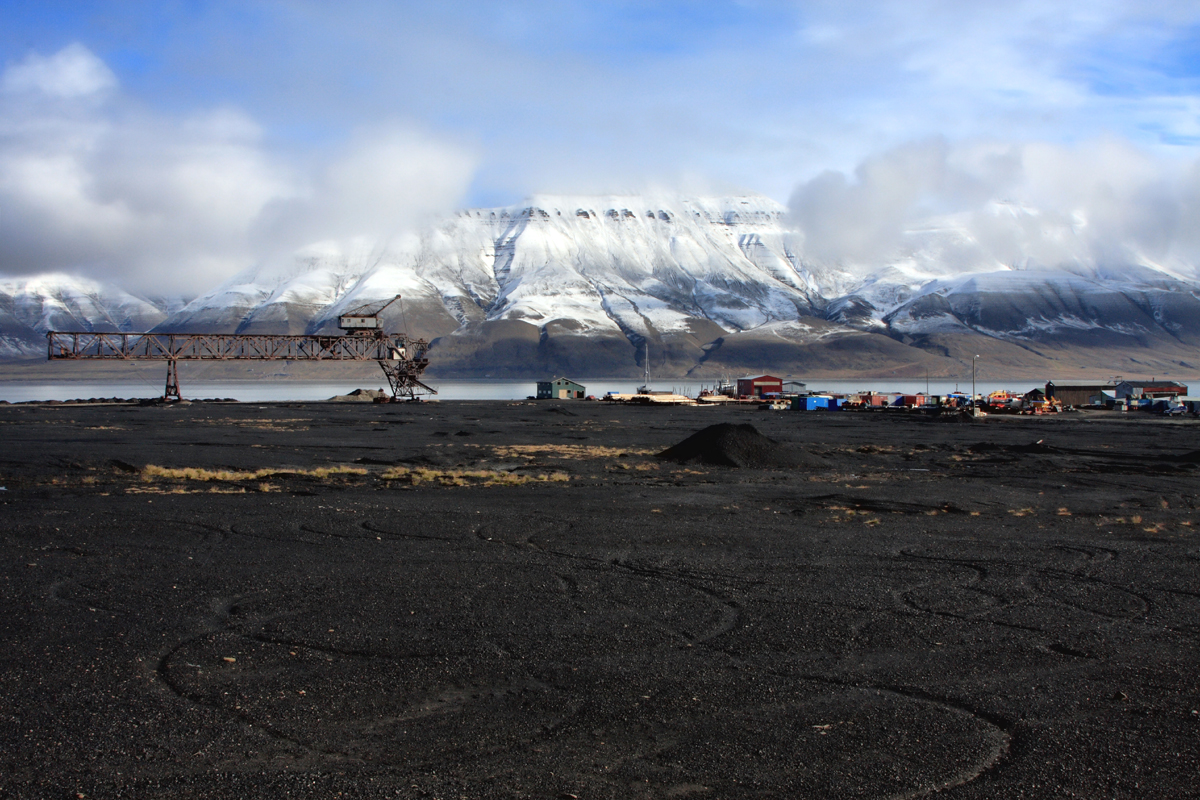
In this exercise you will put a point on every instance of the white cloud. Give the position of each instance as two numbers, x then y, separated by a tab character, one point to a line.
384	182
71	72
1104	202
168	205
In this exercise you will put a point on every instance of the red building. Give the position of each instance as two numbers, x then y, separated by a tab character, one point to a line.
759	385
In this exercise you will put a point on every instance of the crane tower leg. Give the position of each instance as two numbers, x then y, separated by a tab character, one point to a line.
172	390
402	378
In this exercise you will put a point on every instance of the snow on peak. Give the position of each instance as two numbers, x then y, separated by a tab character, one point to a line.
645	266
625	264
57	301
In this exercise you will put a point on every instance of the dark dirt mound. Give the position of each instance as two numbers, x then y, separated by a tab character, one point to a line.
730	445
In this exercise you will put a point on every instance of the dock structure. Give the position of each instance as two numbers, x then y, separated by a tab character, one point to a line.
402	359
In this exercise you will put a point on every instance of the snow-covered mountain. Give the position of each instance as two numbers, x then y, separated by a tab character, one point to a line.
580	285
29	307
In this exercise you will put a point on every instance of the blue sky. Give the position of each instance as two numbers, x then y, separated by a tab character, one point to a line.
487	102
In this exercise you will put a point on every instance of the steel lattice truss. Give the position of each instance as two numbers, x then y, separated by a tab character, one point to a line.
402	359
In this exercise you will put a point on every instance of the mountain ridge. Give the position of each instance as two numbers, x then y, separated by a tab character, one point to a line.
580	285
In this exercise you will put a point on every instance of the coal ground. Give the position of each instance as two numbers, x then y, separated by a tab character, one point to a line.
520	600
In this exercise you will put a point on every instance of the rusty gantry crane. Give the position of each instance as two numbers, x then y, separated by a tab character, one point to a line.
402	359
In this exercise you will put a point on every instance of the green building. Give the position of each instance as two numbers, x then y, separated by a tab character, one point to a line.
560	389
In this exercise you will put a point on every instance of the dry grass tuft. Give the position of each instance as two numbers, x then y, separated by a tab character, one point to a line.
325	472
1021	512
182	490
468	477
566	451
152	472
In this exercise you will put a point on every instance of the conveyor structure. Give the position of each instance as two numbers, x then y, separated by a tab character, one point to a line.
402	359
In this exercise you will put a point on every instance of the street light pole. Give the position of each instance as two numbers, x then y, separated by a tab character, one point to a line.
974	406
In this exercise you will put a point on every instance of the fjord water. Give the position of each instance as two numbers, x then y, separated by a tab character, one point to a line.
298	391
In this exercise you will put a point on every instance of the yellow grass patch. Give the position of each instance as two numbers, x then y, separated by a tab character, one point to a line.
566	451
152	471
468	477
1021	512
181	490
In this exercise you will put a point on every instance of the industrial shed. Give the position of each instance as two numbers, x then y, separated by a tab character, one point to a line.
1136	390
560	389
759	385
1077	393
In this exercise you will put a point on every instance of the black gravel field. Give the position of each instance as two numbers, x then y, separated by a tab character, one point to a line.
488	599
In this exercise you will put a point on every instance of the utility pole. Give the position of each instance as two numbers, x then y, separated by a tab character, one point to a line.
974	404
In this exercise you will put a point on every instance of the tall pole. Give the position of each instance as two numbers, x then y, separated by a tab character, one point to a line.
974	407
646	360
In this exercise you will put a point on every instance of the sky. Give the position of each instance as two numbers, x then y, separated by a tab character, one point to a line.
168	144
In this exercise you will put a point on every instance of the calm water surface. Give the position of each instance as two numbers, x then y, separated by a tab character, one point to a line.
282	391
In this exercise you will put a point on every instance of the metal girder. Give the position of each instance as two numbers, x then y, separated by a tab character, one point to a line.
402	359
222	347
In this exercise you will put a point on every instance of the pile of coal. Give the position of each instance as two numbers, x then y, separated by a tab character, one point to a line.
360	396
730	445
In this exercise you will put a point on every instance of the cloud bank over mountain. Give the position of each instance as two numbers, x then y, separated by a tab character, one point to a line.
171	148
94	183
582	284
1103	202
